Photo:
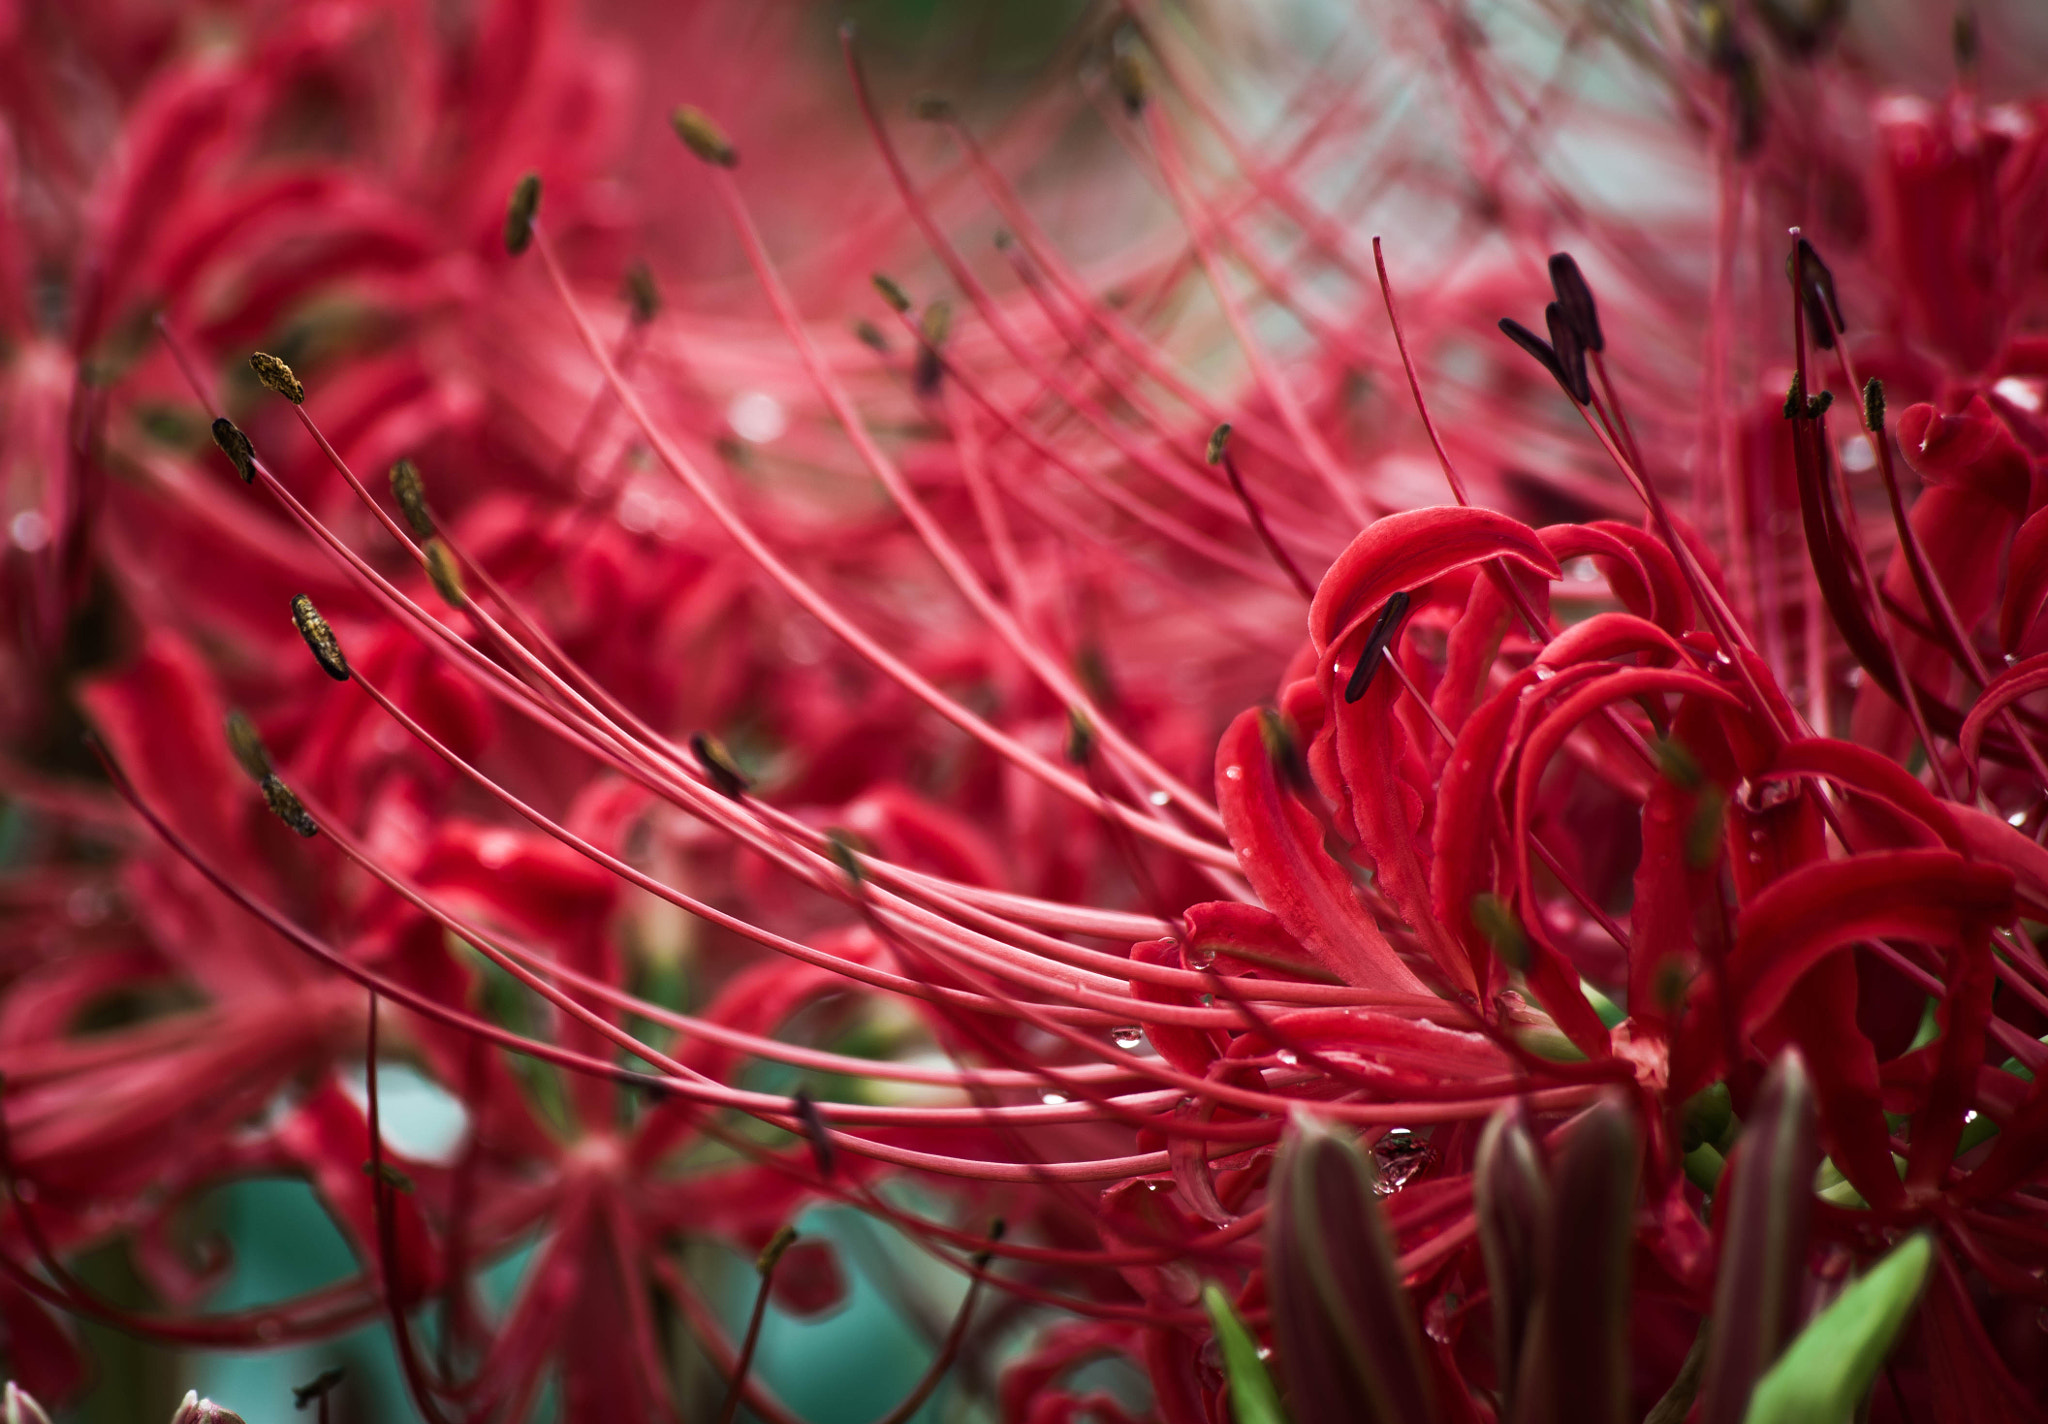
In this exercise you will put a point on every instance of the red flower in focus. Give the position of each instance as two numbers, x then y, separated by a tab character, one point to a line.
1674	744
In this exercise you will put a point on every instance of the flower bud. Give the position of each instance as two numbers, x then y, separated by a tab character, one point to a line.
20	1407
1344	1333
1512	1200
1766	1212
194	1410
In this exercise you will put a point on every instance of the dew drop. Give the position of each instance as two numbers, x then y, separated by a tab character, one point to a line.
1288	1056
1545	673
2017	818
1159	798
1128	1036
1198	956
1233	773
1399	1157
1053	1100
756	416
30	530
1436	1320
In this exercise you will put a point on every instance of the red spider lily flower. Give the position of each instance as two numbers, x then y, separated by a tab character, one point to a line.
1551	813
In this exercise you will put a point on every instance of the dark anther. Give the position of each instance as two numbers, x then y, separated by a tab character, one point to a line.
643	298
839	845
519	213
1577	300
1127	72
932	329
1798	403
290	810
235	445
771	1254
1383	632
1801	27
1536	346
305	1394
1815	285
411	493
1873	406
276	376
703	137
248	746
1080	737
823	1153
892	292
319	637
996	1231
719	767
1282	741
1219	441
1965	41
445	573
870	336
1570	352
389	1175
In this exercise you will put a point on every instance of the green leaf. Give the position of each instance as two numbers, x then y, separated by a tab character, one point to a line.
1825	1372
1252	1396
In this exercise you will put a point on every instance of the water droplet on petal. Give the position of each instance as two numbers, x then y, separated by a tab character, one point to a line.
1545	673
1159	798
1198	956
1053	1100
1288	1056
1128	1036
2017	818
1436	1320
30	530
1399	1157
756	416
1233	773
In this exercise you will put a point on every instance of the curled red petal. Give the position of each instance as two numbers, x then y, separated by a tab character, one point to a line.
1280	847
1402	551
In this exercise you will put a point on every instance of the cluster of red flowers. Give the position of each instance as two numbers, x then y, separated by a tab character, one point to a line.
789	737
